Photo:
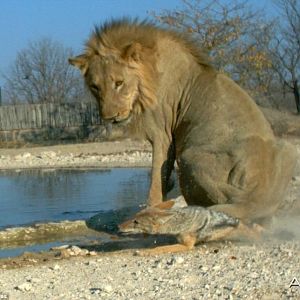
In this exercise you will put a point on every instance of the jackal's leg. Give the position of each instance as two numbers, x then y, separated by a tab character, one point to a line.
187	242
163	249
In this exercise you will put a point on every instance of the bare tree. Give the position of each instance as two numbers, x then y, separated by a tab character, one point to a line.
286	48
41	74
229	32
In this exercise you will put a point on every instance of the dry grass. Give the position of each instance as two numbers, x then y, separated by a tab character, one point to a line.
284	123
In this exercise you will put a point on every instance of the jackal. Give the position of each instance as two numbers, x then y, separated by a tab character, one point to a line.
190	225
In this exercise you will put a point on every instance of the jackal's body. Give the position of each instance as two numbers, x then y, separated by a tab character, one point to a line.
190	224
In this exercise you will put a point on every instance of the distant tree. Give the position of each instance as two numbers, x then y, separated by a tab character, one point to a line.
41	74
286	48
234	36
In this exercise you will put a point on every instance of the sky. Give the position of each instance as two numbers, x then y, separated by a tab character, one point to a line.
67	21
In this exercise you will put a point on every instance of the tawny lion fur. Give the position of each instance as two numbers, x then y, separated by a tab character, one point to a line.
159	85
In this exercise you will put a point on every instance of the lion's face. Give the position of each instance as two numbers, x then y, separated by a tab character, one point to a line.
114	85
122	83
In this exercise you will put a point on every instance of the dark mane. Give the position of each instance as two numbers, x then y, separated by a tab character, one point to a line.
118	34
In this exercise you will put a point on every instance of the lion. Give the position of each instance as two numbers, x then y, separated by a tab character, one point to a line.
159	85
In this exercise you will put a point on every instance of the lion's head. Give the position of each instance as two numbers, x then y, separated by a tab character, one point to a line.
120	74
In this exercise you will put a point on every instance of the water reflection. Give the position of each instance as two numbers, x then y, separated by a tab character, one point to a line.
40	195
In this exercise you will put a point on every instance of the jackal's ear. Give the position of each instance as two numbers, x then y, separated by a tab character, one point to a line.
165	205
80	62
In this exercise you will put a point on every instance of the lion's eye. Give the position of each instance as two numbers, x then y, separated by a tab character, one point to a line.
119	83
94	87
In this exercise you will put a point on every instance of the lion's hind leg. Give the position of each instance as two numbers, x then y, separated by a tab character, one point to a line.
221	226
241	232
261	174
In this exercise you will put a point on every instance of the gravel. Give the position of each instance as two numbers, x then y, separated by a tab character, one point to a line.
212	271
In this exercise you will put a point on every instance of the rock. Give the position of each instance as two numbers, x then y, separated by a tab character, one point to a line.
95	291
48	154
296	178
35	280
204	269
179	260
24	287
55	267
74	251
158	265
64	253
84	252
26	155
216	268
60	247
107	288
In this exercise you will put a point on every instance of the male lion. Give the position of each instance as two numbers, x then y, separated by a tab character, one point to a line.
160	86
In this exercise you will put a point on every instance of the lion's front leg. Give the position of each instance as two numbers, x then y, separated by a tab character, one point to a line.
162	166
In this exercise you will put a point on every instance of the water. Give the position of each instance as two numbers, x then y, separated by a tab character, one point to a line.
40	196
32	196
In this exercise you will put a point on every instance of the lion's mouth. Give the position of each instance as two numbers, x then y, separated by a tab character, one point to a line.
121	120
118	120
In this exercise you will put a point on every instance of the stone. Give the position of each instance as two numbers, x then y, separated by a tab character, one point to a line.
48	154
55	267
26	155
75	250
107	288
60	247
179	260
254	275
24	287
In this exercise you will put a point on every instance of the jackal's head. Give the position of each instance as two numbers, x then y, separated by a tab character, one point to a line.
149	220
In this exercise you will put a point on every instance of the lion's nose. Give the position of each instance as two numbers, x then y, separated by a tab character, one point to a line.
114	116
108	118
108	113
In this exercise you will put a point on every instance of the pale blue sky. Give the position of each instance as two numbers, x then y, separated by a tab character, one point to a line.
67	21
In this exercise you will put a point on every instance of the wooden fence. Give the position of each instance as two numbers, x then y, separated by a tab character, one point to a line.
49	115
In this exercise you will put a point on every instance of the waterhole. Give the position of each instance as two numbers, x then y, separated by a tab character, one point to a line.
28	197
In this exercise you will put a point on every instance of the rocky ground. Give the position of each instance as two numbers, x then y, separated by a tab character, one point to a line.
262	270
213	271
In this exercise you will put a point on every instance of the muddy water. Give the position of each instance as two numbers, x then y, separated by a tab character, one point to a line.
42	196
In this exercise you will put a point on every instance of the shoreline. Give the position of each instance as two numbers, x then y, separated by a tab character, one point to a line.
94	155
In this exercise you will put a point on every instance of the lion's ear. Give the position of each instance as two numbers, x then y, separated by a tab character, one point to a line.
132	52
80	61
